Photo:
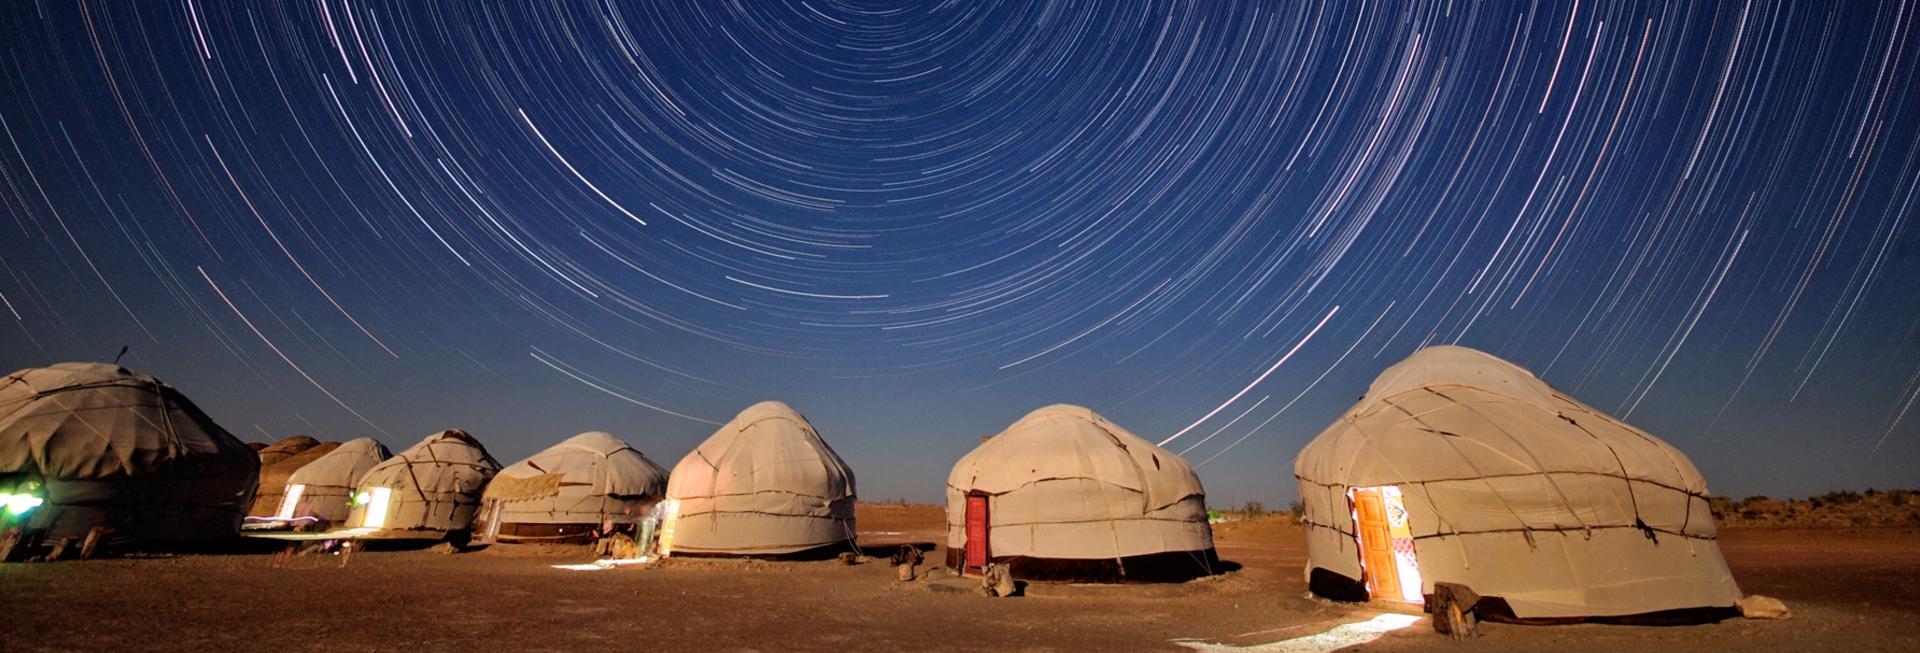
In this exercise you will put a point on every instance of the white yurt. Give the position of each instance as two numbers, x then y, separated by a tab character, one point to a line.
1065	494
279	461
764	484
1458	467
431	489
321	491
95	445
568	492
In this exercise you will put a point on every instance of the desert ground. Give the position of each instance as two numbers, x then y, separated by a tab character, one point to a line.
1849	589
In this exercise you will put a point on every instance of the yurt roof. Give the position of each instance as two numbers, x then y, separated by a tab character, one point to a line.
342	466
593	458
450	449
286	448
1451	413
1063	441
781	454
278	472
95	420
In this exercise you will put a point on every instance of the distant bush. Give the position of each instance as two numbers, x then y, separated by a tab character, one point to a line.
1254	509
1870	507
1298	510
1840	498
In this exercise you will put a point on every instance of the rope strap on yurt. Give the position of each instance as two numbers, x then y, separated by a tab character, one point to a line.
1086	471
174	447
1633	498
1532	458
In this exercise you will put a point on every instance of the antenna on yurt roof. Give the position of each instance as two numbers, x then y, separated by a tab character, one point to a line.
116	358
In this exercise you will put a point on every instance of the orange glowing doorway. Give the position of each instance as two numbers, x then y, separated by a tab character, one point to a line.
1387	559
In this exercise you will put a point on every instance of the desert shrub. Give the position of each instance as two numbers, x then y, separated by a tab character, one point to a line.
1297	509
1840	498
1254	509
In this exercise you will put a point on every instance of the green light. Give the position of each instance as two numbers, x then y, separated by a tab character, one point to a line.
19	504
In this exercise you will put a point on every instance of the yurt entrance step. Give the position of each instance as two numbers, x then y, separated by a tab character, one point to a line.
977	524
1387	559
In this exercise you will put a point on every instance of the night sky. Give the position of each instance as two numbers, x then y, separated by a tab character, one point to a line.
917	221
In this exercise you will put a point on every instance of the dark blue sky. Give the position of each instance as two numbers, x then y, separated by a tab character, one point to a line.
916	222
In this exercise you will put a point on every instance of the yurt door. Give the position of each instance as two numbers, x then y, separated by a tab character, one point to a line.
289	502
1386	544
376	515
977	554
490	520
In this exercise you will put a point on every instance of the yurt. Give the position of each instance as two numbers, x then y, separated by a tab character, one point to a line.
278	462
570	491
765	484
320	493
86	445
1064	494
430	490
287	447
1458	467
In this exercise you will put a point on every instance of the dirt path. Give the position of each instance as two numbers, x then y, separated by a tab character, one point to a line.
419	601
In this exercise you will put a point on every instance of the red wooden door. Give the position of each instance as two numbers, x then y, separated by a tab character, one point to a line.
977	553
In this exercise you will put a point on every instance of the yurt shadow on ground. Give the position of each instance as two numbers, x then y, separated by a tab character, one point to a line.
764	485
93	450
430	491
1064	494
1461	468
589	486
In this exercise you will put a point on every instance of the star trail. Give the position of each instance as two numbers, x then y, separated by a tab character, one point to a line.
1214	222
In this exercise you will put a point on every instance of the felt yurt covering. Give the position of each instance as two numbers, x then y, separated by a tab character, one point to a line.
1516	491
1071	495
764	484
570	489
432	488
327	483
277	463
287	447
117	448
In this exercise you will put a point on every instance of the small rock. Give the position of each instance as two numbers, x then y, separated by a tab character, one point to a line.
1756	606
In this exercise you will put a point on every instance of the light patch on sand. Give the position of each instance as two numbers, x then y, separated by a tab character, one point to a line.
608	563
1339	637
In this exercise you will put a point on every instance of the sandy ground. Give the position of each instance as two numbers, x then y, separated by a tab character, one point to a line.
1849	590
